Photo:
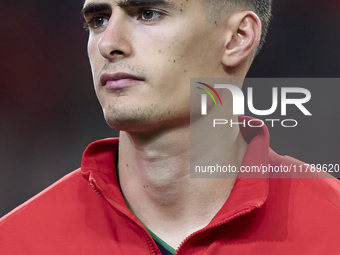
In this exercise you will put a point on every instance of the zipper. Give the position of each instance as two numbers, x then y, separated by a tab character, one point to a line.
234	216
150	241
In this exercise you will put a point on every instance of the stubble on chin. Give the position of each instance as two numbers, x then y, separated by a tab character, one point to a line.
126	119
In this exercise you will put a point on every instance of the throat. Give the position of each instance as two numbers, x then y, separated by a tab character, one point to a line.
156	185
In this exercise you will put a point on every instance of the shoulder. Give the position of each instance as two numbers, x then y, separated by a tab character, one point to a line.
61	192
51	212
312	187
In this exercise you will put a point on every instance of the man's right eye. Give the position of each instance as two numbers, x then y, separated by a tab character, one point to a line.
96	22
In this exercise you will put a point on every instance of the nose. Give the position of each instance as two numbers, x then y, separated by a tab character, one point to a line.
115	42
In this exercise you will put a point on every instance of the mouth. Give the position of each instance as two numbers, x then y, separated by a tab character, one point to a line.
119	80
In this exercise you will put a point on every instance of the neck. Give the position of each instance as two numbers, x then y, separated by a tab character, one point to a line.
154	172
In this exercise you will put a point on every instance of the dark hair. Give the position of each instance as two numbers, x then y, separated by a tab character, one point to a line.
263	9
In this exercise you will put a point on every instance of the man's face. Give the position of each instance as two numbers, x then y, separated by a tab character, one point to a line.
143	54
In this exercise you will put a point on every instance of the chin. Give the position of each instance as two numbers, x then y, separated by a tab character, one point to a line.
137	119
132	123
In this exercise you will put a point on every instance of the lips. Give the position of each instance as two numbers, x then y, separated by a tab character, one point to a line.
119	80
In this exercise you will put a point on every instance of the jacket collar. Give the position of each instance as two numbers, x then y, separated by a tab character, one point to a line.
98	166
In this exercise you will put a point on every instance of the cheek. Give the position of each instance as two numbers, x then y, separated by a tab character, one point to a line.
182	52
90	46
93	53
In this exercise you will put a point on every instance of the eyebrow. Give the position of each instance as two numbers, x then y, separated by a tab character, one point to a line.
95	7
98	7
130	3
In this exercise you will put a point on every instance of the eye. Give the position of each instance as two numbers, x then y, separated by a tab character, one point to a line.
97	22
150	15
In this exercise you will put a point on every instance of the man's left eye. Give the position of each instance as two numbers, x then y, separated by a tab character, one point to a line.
149	15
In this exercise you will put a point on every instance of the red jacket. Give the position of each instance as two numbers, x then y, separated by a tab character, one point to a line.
85	213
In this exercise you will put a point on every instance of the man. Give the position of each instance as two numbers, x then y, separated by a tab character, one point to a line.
141	199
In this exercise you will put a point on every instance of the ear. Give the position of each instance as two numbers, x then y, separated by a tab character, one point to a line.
243	35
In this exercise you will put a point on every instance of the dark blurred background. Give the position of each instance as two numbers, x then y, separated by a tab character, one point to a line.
49	112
